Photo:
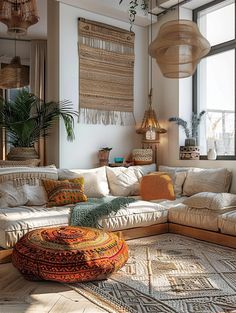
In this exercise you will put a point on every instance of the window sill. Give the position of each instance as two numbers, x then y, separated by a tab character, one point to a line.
220	158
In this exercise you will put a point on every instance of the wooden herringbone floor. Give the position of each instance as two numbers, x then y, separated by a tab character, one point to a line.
18	295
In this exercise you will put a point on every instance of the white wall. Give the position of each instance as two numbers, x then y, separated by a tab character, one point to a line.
82	152
175	99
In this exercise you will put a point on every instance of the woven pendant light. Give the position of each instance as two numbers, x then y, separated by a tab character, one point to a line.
14	75
18	15
178	48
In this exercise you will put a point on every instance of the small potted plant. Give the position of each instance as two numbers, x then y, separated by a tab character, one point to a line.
190	150
103	155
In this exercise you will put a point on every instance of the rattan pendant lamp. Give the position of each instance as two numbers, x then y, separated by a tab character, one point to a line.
18	15
178	48
14	75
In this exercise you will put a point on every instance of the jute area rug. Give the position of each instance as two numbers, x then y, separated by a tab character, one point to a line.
167	274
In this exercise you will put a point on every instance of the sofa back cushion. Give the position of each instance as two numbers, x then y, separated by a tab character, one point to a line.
24	163
207	180
95	180
23	185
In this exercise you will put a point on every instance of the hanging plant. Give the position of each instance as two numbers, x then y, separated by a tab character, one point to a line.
133	6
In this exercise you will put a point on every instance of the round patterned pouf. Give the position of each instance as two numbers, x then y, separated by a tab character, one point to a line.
69	254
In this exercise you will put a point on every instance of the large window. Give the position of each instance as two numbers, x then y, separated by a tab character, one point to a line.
214	80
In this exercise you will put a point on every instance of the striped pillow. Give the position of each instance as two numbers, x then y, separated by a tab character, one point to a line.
65	192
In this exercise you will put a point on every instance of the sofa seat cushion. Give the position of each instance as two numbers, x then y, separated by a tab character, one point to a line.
227	223
69	254
16	222
199	218
136	214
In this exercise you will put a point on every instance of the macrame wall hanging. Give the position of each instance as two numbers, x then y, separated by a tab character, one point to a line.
106	74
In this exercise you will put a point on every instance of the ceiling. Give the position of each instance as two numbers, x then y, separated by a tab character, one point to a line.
109	8
112	8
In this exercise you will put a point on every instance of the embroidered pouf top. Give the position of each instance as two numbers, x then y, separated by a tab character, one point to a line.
69	254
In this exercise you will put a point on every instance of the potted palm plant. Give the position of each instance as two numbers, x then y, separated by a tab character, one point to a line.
27	118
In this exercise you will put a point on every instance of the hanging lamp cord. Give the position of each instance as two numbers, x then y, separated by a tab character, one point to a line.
150	62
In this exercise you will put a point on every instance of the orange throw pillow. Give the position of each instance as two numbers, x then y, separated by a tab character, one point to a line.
65	191
156	186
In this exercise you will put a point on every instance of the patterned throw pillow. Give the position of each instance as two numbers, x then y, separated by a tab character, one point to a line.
65	192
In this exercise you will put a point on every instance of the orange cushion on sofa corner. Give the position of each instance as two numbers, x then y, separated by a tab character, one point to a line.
156	186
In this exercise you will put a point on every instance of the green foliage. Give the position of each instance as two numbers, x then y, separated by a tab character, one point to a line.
28	118
191	131
133	5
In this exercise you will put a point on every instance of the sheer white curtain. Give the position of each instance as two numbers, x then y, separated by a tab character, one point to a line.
38	68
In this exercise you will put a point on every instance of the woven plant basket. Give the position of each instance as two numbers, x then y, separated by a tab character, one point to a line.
22	153
14	75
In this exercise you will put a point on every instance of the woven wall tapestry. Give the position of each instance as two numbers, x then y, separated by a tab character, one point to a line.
106	78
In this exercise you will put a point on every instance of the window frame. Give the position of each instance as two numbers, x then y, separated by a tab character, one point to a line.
219	48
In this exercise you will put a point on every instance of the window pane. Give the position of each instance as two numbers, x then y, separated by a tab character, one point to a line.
216	95
217	22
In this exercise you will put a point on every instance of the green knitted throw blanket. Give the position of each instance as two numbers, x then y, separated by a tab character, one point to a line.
88	213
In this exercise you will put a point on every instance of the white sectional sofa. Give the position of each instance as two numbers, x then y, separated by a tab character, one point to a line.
139	219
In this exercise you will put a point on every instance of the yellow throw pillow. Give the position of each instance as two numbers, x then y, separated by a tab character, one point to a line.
65	191
156	186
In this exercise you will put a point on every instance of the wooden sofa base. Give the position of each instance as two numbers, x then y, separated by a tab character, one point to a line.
139	232
202	234
5	256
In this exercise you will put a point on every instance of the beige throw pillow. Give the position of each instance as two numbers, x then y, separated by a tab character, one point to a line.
212	201
178	175
207	180
123	181
179	182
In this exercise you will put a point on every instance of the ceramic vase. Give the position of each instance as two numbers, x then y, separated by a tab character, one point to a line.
211	154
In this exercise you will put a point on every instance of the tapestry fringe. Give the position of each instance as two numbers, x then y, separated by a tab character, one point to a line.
106	45
90	116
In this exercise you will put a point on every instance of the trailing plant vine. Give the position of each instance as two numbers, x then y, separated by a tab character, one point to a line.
133	6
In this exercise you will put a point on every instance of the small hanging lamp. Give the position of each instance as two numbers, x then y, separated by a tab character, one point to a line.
178	48
18	15
14	75
150	122
150	126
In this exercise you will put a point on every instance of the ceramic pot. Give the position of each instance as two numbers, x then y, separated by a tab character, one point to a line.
189	153
211	154
190	142
103	156
22	153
